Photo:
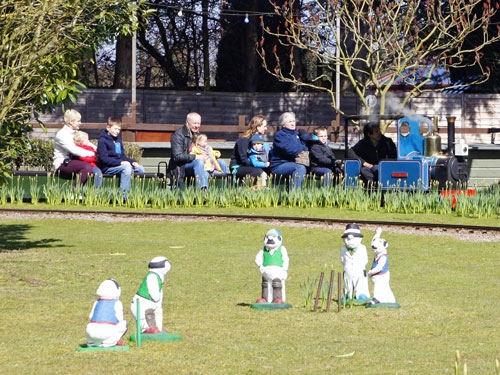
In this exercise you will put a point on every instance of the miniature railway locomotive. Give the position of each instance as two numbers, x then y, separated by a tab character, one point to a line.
419	157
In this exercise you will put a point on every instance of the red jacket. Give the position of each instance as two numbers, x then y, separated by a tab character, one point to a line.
89	159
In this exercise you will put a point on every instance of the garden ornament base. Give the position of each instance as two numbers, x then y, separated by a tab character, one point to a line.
270	306
85	348
388	305
355	301
160	336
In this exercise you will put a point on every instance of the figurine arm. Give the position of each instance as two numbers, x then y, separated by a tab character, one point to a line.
119	310
259	259
153	288
286	260
380	266
342	255
378	232
92	311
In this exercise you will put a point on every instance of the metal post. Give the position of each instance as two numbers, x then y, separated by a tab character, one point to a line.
134	77
138	338
451	135
346	135
337	71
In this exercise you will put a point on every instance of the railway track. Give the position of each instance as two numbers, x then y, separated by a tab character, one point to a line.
471	231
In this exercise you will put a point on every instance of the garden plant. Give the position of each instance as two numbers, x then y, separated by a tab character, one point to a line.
154	194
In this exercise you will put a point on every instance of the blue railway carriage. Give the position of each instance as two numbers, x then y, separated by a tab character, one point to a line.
419	158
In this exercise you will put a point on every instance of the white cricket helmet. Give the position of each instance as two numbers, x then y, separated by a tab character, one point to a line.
160	264
273	239
109	289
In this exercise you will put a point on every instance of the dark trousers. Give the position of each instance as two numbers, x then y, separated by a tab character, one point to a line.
369	174
249	171
75	167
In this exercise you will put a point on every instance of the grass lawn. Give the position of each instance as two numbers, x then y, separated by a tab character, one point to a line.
49	271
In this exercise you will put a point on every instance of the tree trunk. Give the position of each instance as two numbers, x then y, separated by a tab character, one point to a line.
252	59
123	66
206	47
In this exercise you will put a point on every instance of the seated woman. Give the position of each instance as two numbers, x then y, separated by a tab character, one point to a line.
288	144
65	148
240	165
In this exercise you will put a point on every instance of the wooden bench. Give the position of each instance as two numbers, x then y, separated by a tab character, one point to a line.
146	132
23	173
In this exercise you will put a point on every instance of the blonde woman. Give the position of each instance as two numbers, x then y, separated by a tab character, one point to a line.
240	165
65	148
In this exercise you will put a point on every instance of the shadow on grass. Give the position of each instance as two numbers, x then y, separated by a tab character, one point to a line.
243	304
12	237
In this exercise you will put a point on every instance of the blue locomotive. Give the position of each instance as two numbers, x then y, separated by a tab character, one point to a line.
419	157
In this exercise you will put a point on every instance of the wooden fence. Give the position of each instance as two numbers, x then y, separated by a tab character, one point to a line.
224	115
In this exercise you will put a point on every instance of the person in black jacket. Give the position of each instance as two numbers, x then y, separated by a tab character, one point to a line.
322	158
111	155
182	163
240	165
370	150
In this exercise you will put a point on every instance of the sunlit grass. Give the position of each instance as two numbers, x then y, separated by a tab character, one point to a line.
51	268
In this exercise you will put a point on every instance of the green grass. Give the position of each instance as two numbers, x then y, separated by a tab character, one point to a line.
50	269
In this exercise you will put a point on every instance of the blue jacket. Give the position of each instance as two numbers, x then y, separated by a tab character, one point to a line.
259	158
110	151
287	145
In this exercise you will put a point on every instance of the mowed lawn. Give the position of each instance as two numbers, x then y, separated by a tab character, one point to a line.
449	291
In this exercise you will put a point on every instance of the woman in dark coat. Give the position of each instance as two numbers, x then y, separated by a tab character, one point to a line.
240	166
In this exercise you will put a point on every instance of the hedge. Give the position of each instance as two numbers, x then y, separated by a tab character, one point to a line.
39	157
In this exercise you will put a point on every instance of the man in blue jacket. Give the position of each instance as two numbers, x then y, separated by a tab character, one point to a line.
111	154
288	144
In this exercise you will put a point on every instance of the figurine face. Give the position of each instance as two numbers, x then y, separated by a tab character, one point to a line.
273	240
109	289
379	246
160	265
352	242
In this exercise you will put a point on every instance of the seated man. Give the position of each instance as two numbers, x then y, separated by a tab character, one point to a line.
370	150
183	163
112	159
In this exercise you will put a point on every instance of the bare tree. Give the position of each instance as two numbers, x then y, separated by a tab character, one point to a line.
173	39
380	42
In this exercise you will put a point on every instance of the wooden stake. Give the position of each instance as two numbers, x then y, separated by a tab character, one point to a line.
339	291
330	290
320	284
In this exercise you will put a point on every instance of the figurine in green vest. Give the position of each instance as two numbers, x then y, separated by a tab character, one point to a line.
273	261
150	296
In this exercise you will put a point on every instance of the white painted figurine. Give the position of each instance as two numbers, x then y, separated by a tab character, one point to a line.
273	261
379	273
150	296
354	258
106	326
